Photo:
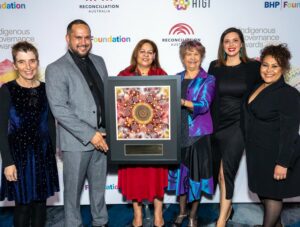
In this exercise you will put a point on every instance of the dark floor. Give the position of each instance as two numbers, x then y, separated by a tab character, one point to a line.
245	215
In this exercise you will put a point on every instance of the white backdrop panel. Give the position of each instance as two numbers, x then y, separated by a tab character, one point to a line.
44	23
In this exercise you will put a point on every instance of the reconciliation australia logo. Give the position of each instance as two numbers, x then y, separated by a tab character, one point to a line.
99	6
178	33
185	4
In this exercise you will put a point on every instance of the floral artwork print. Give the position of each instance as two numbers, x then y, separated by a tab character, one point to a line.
143	112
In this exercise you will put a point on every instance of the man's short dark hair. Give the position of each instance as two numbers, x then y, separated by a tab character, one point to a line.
77	21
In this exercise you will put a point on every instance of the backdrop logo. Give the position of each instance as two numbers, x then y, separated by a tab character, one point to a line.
181	28
12	5
258	37
281	5
111	39
178	33
7	72
107	187
9	36
181	4
293	77
196	4
99	6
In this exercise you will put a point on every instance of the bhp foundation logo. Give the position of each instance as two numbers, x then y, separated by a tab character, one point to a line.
282	5
181	4
181	28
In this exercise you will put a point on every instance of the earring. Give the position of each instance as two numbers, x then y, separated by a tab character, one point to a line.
241	53
224	55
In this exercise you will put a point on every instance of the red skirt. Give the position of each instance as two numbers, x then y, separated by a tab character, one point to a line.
142	183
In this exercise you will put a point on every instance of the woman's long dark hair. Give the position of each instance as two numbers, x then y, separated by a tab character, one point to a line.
221	53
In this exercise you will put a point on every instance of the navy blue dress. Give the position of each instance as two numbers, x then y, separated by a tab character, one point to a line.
25	142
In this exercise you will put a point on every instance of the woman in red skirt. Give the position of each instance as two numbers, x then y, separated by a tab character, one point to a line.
138	183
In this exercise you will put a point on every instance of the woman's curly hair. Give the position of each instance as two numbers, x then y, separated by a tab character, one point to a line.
281	54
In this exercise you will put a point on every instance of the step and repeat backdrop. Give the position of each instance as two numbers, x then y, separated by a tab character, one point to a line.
117	25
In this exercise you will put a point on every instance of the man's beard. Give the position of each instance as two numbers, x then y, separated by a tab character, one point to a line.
77	53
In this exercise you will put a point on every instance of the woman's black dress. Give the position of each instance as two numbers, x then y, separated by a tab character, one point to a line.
25	142
271	130
232	84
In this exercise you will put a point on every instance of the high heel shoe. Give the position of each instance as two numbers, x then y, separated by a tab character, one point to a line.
179	219
192	222
223	222
230	216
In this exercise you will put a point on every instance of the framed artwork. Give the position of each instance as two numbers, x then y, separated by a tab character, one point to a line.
143	119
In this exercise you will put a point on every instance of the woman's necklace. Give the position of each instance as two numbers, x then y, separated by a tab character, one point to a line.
144	71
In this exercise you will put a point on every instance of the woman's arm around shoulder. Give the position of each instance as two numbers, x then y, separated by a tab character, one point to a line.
4	118
254	71
212	66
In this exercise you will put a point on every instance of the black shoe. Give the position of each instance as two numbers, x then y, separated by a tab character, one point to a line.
231	214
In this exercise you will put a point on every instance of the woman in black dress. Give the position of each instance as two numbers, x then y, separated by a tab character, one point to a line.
29	171
272	117
235	74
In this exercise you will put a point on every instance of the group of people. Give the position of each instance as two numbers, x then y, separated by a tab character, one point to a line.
238	104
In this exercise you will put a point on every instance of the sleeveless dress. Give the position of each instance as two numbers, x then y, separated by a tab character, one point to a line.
29	145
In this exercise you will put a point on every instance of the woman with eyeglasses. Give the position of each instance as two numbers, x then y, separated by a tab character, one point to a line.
29	171
138	183
193	177
271	122
235	75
